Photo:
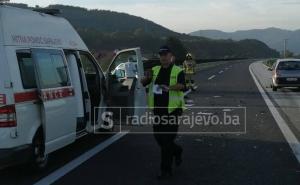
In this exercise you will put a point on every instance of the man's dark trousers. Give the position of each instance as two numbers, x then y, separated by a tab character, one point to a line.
165	134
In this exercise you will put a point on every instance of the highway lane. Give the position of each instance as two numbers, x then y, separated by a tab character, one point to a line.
287	99
261	156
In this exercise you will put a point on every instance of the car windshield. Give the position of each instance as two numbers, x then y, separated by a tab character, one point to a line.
289	65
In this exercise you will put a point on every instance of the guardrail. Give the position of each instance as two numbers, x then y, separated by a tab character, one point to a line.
148	64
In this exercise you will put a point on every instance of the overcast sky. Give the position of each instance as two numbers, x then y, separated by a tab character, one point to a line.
191	15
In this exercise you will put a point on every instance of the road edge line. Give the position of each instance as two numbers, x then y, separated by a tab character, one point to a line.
283	126
62	171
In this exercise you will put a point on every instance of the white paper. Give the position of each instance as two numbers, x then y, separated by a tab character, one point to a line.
157	89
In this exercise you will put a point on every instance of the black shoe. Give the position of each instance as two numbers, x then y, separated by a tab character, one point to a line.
164	175
178	158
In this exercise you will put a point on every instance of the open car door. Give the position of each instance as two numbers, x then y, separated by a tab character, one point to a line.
127	96
56	93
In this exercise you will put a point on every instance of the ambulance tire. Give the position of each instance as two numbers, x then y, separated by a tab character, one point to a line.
40	160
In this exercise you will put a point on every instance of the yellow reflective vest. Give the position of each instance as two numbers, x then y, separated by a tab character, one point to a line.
189	66
176	98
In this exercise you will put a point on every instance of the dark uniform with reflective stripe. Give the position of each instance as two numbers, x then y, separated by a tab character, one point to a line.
165	133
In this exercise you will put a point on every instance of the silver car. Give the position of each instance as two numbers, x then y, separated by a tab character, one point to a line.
285	73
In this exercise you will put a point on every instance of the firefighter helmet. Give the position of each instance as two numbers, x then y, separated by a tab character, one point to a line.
189	56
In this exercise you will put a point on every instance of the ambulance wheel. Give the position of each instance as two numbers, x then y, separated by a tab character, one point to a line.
40	159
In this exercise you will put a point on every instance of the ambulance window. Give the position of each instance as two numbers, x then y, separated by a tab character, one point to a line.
26	70
52	70
87	64
124	65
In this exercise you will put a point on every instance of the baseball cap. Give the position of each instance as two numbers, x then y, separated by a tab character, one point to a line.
164	50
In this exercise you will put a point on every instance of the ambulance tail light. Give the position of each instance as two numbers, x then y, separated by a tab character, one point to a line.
8	116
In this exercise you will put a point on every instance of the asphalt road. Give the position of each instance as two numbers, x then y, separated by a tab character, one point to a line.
262	155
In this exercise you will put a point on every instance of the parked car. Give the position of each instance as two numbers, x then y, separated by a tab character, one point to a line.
285	73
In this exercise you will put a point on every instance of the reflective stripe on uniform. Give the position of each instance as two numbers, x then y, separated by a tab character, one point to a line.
176	98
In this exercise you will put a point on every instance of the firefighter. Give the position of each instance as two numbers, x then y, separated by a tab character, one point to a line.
189	67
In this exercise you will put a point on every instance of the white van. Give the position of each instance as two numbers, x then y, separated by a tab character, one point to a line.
50	84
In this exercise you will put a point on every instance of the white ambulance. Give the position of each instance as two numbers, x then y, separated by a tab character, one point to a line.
50	84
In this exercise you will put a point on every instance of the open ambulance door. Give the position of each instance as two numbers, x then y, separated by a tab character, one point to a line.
56	93
127	96
94	86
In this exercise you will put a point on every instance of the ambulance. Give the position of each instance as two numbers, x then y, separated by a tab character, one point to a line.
52	90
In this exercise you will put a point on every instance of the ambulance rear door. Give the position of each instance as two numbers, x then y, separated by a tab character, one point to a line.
58	103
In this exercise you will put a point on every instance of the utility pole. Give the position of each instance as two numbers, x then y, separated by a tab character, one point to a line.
284	48
145	26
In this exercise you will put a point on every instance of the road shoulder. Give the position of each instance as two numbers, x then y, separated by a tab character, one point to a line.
261	77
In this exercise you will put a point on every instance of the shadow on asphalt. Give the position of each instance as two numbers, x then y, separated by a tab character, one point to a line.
27	175
207	160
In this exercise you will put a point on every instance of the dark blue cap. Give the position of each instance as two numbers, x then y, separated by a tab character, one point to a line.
164	50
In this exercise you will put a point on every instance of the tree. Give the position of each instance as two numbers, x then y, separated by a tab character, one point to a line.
287	54
177	48
4	1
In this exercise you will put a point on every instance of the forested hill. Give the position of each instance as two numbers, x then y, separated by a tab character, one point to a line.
105	30
109	22
273	37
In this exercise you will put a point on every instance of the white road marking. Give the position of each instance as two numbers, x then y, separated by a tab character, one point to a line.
286	131
217	96
198	140
227	110
54	176
189	105
187	92
189	101
212	77
220	72
205	113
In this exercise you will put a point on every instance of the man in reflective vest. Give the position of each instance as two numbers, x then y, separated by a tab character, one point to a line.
165	97
189	67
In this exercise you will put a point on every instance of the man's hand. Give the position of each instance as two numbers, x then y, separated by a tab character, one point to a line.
164	88
177	87
147	78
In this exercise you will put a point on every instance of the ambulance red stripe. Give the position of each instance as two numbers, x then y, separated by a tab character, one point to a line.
46	94
26	96
57	93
